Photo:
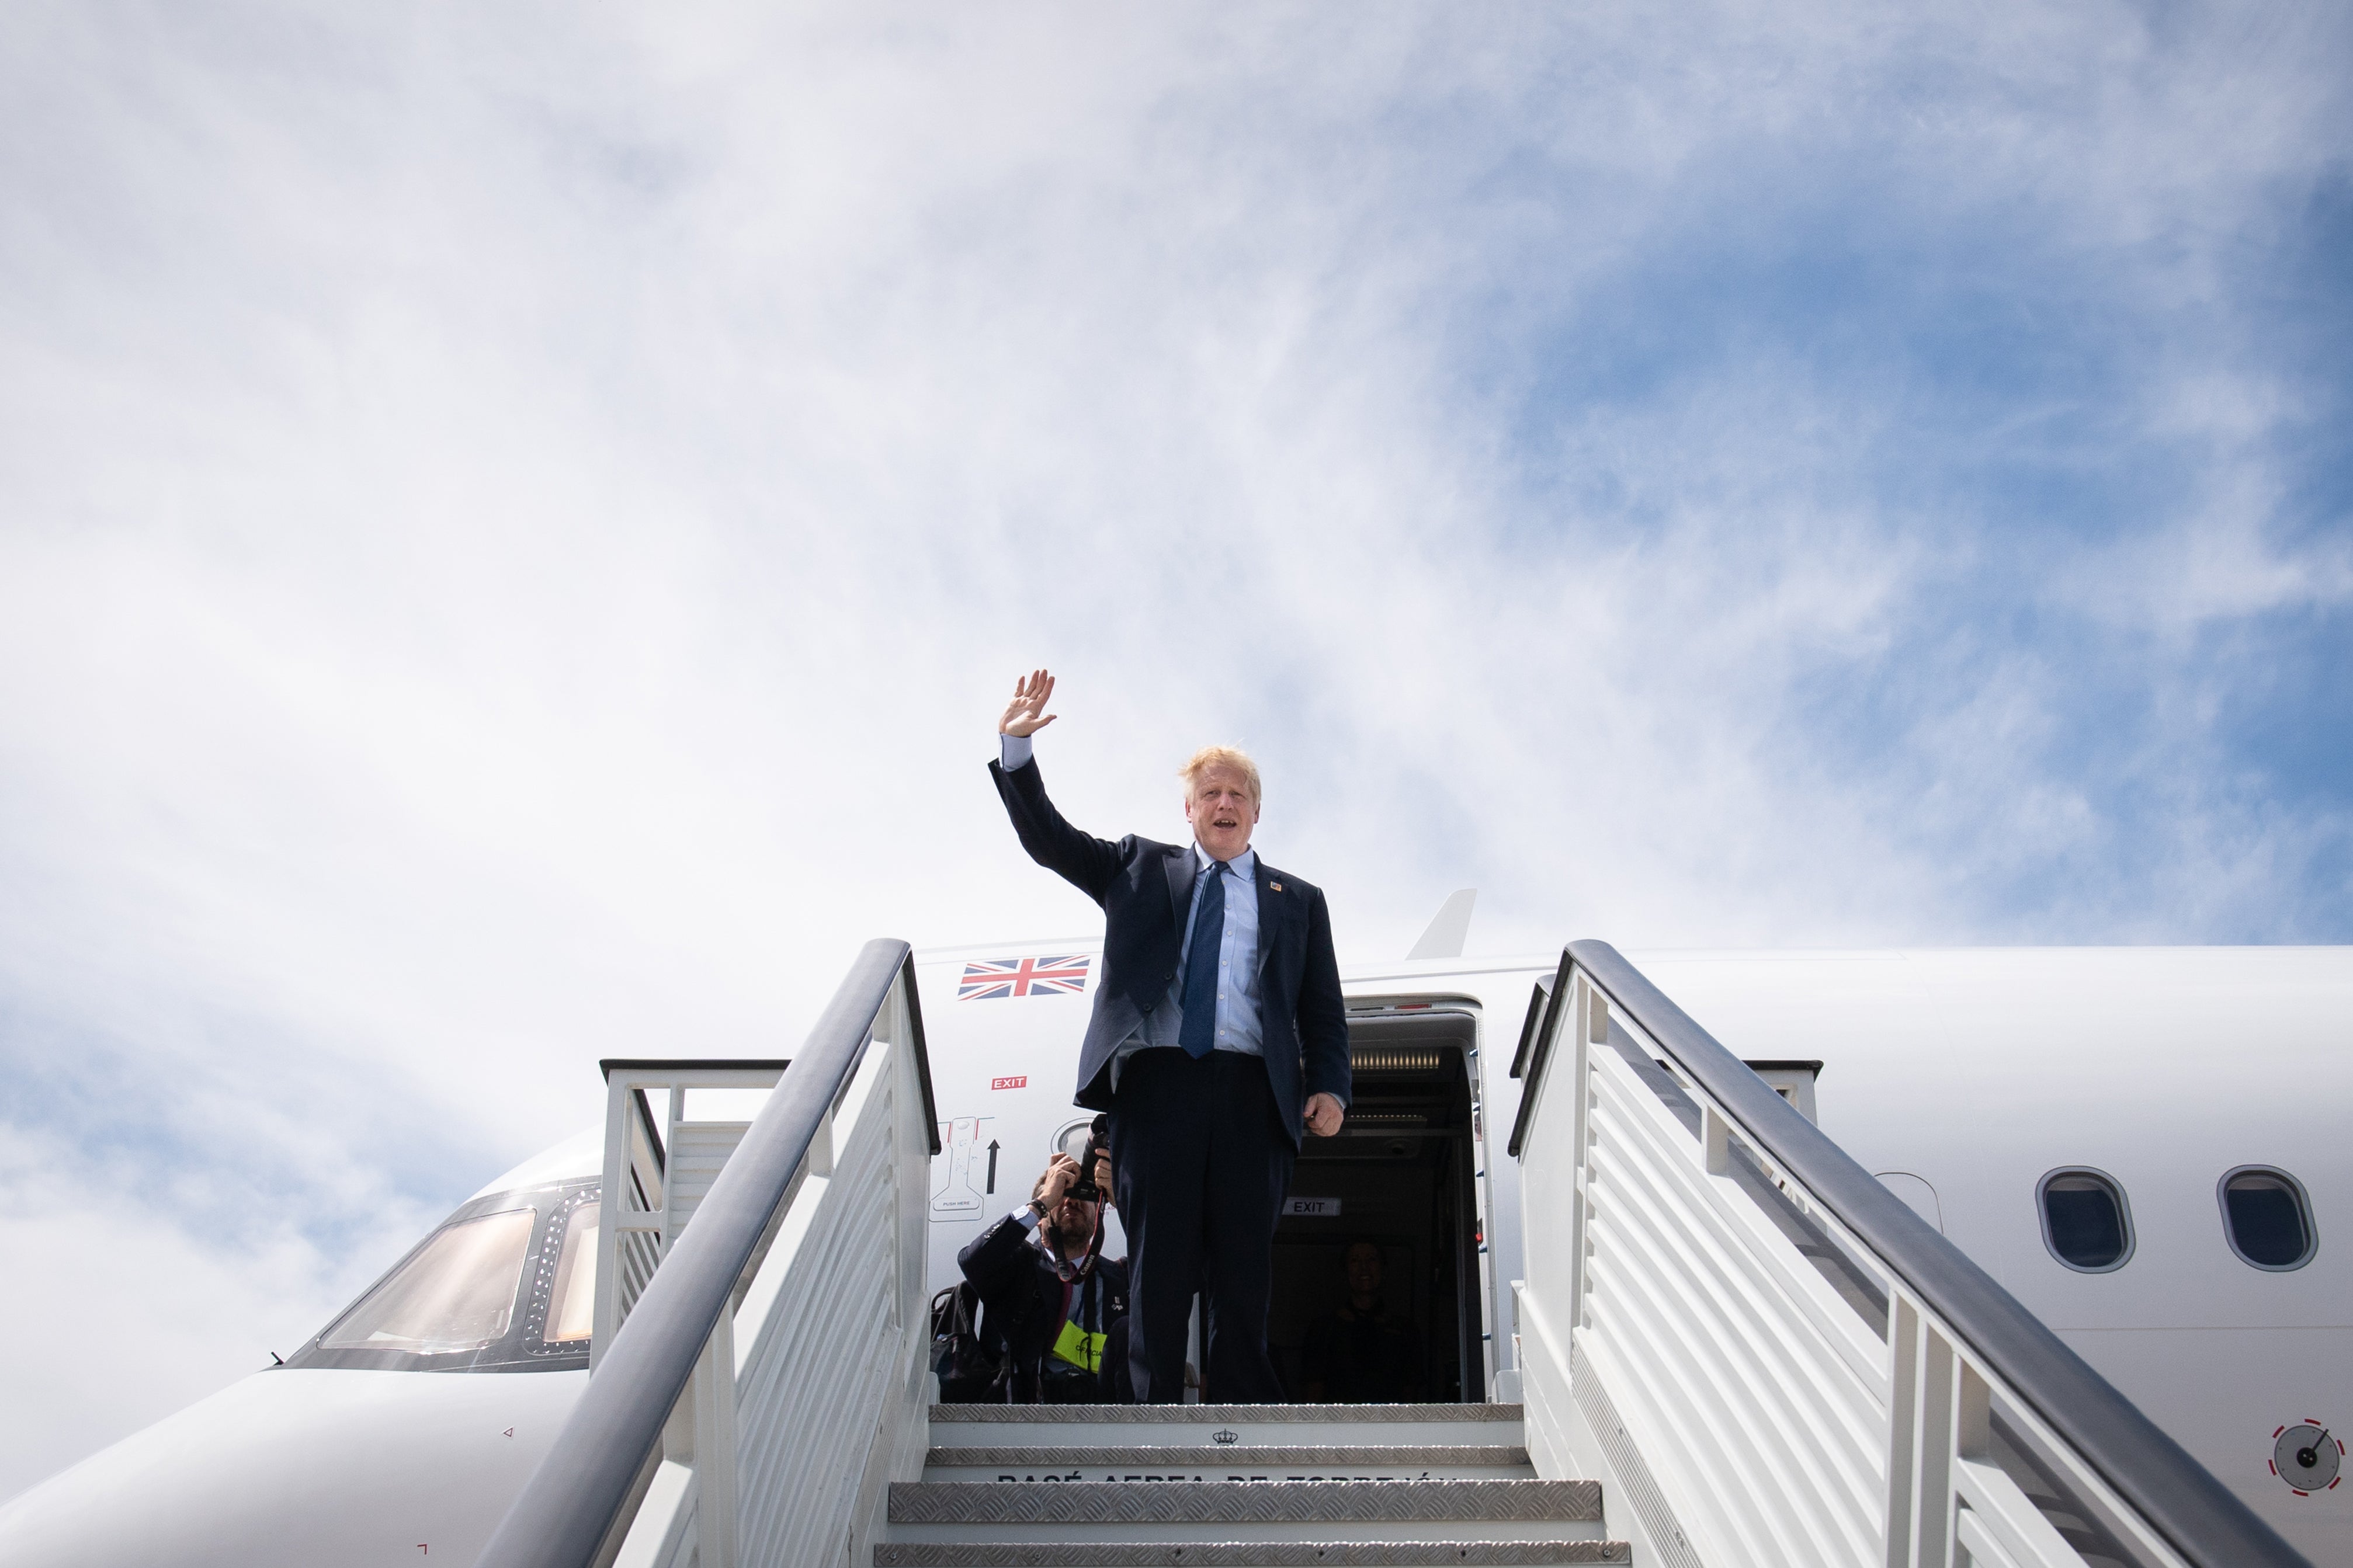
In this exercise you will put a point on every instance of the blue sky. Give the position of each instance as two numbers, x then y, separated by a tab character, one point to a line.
514	526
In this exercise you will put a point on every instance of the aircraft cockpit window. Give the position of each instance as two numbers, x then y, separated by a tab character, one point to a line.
506	1284
2267	1217
572	1305
457	1292
2085	1221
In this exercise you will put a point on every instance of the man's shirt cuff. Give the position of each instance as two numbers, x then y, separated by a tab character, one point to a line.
1026	1217
1014	752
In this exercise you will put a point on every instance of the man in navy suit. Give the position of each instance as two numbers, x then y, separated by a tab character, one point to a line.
1218	1034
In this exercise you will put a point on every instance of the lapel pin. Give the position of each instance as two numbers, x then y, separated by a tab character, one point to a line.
1276	886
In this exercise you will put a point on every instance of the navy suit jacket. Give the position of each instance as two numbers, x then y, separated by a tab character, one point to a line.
1145	889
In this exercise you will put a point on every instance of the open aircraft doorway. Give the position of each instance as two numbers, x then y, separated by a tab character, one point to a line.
1377	1264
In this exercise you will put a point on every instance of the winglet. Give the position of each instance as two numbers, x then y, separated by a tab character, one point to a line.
1452	923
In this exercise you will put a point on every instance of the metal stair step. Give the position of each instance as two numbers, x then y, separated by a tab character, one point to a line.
1084	1512
1244	1553
1202	1461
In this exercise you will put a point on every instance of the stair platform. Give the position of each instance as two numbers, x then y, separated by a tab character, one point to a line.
1287	1425
1203	1462
1251	1554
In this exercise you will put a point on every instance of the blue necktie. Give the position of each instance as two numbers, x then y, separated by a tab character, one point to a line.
1198	1031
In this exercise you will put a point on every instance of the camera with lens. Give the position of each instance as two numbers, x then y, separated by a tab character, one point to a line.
1098	1143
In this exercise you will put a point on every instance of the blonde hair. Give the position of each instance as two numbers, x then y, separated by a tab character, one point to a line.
1232	757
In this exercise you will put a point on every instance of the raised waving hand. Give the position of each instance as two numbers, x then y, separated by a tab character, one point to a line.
1025	714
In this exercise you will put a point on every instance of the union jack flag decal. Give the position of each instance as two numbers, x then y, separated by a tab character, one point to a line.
992	978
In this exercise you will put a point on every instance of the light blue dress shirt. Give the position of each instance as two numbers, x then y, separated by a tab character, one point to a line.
1238	1027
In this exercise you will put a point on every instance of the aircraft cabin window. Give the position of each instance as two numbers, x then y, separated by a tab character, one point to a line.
457	1293
2086	1221
2267	1219
572	1307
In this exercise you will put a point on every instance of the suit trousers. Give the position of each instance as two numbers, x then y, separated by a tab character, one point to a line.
1200	1166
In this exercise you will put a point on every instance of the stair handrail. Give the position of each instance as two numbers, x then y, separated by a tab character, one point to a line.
2181	1499
561	1517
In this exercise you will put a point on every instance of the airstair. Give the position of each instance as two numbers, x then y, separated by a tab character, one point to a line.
1734	1348
1213	1486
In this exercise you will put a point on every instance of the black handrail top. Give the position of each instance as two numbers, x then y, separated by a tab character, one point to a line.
612	1065
2201	1519
563	1513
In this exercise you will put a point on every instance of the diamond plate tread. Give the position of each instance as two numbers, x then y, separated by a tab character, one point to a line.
1223	1502
1243	1553
1432	1453
1145	1415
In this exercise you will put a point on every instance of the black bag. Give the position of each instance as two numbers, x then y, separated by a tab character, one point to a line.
971	1372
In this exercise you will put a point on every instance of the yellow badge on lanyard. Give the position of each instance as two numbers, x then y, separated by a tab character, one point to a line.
1080	1347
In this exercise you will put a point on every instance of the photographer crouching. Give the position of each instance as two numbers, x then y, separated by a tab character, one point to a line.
1048	1295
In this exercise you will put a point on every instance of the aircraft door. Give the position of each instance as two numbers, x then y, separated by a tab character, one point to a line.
1378	1280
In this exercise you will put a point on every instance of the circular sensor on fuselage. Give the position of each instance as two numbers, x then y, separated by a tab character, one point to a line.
2307	1456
